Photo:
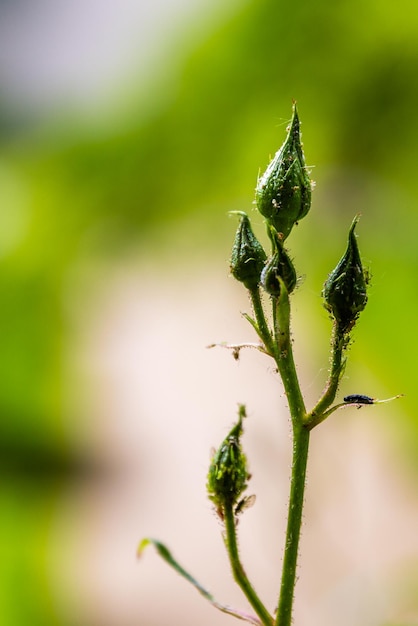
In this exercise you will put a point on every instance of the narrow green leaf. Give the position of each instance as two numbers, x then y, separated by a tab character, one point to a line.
252	322
165	554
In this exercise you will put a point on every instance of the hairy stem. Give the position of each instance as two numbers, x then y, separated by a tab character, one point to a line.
283	355
339	343
287	369
238	572
261	323
294	522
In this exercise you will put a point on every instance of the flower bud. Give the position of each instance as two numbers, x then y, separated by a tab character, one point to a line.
345	291
283	193
278	266
248	256
227	477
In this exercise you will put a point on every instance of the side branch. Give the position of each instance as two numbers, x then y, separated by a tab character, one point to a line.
340	340
238	571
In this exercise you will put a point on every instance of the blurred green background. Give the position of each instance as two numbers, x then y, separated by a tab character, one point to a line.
149	172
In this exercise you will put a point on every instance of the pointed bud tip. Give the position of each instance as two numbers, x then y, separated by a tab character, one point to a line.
354	224
239	213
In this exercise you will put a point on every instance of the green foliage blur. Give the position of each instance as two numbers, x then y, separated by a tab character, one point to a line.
74	194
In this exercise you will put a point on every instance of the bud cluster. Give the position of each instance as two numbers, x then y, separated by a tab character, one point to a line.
283	196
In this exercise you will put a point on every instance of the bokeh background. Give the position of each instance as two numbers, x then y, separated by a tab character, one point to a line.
128	131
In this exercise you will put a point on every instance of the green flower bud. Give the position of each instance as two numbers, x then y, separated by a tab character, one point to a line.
248	256
278	266
227	477
345	291
283	193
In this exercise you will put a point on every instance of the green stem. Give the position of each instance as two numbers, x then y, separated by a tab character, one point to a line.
286	365
283	355
261	323
294	521
238	572
340	340
282	351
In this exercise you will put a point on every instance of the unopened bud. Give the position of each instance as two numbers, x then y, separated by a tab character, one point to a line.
278	267
227	477
345	291
248	256
283	193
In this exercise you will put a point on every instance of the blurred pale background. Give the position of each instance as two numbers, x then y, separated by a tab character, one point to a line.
128	131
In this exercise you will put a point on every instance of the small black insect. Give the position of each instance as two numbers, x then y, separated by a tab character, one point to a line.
357	398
